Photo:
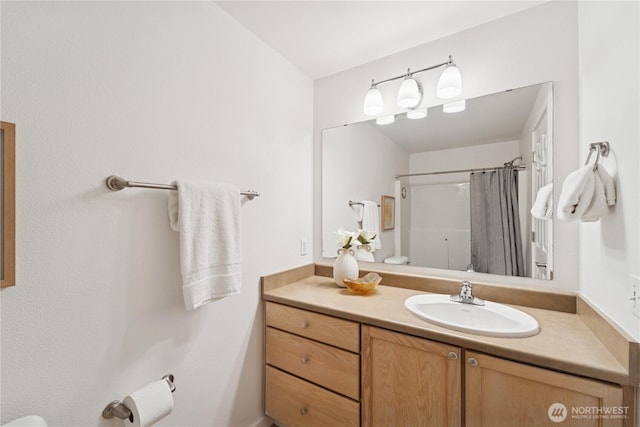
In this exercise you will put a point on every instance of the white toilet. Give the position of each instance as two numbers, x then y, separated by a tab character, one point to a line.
28	421
397	260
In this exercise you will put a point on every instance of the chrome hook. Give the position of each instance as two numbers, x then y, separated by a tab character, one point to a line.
601	148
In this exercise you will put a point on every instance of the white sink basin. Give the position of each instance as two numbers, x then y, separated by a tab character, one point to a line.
491	319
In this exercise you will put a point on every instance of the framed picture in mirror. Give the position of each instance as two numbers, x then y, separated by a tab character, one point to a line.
7	225
388	207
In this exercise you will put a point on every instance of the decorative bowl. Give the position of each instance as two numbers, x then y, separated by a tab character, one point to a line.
364	285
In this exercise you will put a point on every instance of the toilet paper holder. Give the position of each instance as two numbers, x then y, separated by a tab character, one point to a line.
117	409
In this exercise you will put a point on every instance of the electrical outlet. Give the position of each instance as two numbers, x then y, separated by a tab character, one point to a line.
303	248
635	294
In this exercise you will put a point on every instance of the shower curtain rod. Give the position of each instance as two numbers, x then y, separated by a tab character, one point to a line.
506	166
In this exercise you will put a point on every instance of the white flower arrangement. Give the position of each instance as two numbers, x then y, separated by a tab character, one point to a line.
346	239
365	236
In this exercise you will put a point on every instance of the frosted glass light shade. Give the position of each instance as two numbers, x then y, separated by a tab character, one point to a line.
418	113
373	102
455	106
450	83
410	93
385	120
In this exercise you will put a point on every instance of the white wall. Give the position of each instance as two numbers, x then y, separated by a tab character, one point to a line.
353	151
609	111
440	234
530	47
152	91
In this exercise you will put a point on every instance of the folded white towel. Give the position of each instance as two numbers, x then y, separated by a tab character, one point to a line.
208	219
543	206
371	222
598	206
576	194
609	186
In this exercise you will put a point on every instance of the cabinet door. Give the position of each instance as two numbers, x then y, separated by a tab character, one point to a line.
500	392
409	381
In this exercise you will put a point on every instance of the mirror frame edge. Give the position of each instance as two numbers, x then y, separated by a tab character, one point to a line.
8	205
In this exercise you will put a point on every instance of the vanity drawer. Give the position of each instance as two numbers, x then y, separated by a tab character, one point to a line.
330	367
295	402
337	332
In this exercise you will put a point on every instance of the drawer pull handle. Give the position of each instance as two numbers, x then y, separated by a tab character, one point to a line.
303	411
473	362
453	355
304	360
305	324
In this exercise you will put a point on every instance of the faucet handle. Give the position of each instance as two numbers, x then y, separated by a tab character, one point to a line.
466	296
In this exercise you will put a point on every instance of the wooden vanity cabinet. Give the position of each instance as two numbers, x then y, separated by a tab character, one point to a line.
409	381
325	371
312	376
500	392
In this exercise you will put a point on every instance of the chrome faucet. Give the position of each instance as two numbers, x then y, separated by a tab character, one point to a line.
466	296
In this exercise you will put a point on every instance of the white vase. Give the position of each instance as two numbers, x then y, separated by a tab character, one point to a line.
363	253
345	267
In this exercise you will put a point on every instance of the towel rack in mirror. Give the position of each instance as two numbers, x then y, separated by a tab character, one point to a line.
116	183
351	203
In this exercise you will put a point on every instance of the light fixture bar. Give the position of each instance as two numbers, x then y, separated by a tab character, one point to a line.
449	62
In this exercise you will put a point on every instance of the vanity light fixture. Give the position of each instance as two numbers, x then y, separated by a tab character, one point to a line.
385	120
417	113
373	101
450	83
455	106
410	93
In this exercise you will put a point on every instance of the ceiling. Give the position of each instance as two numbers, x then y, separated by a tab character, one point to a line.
325	37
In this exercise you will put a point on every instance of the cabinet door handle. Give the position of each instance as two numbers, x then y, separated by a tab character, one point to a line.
303	411
304	360
473	362
305	324
453	355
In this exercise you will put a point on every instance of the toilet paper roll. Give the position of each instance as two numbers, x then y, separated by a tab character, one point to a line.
149	404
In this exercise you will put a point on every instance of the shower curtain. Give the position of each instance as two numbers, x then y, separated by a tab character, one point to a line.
496	244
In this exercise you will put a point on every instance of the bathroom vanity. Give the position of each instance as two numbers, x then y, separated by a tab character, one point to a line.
337	359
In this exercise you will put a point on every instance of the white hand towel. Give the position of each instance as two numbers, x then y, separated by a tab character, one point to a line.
609	186
357	211
576	194
543	206
604	195
208	218
371	222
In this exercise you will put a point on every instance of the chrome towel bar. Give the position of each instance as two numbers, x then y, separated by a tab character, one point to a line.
116	183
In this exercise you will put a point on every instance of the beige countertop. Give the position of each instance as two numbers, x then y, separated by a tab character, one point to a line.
564	343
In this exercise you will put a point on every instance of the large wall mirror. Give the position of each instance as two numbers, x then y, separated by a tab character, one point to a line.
464	184
7	225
